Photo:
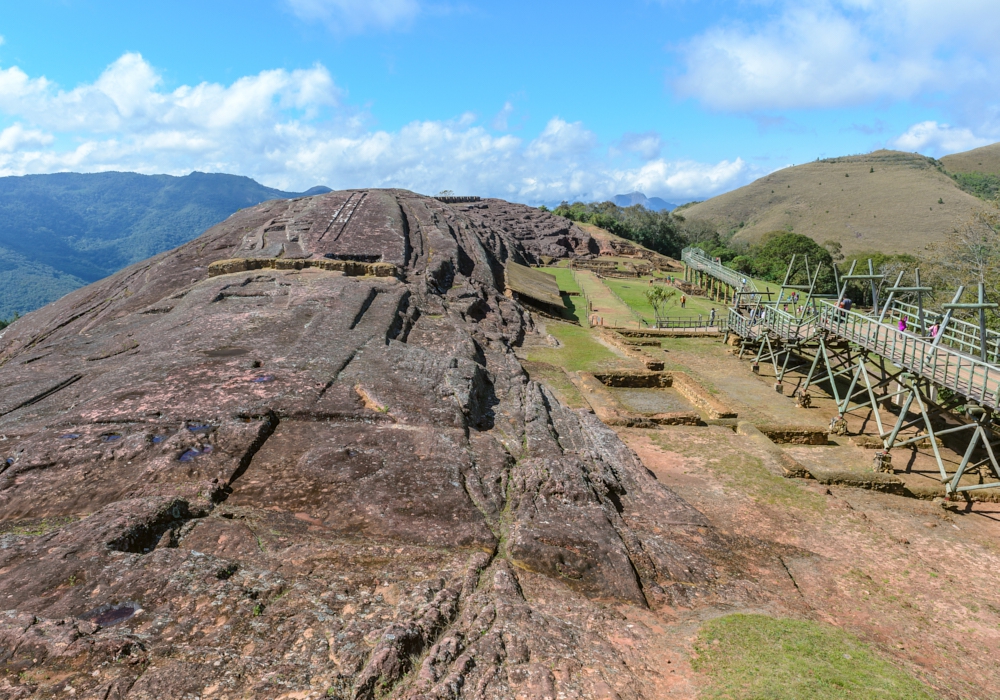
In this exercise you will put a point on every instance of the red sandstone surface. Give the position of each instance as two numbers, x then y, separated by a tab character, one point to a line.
296	483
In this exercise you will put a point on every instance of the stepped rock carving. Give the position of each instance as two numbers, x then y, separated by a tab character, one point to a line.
288	479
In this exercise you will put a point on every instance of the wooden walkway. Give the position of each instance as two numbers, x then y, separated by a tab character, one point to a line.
944	366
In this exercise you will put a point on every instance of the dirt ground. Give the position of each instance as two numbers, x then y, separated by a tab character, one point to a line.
913	577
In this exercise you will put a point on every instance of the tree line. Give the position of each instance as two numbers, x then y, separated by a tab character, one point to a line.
967	255
660	231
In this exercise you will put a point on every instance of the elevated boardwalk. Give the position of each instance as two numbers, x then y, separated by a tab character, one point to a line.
695	259
923	368
941	364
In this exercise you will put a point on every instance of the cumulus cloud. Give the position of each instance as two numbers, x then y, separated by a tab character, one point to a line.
16	138
561	140
646	145
689	179
938	139
294	129
357	15
832	53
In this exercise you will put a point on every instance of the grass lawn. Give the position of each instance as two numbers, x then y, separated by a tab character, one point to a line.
633	292
604	303
755	656
564	278
579	351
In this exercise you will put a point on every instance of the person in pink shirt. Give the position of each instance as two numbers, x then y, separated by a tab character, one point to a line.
902	324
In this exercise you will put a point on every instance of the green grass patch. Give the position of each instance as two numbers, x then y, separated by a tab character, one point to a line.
751	657
564	278
633	293
34	527
604	303
580	352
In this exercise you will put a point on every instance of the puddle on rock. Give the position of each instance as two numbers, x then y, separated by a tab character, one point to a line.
112	438
650	401
195	452
69	436
199	427
110	615
265	378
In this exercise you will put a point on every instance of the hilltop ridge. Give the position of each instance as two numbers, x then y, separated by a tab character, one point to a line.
889	201
985	159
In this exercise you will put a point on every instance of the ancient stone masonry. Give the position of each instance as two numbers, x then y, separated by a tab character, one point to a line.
298	457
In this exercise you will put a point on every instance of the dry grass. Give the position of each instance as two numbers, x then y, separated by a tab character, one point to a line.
894	209
978	160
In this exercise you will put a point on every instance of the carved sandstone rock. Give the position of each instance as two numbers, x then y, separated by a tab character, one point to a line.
305	476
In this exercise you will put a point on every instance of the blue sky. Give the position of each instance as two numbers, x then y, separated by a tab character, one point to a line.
534	102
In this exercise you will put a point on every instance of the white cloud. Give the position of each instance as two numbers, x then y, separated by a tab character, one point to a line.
688	179
647	145
831	53
292	129
2	40
16	138
562	140
357	15
931	138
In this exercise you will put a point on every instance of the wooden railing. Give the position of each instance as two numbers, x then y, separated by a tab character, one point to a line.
942	364
695	258
689	322
742	326
768	318
958	334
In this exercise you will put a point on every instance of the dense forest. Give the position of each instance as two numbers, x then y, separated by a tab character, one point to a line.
62	231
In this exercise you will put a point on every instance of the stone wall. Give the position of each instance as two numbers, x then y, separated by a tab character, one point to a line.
700	397
348	267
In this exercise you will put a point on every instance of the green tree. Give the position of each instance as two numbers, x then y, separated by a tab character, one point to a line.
659	231
658	295
771	259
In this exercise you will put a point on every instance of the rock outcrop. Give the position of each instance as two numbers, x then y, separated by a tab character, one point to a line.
293	482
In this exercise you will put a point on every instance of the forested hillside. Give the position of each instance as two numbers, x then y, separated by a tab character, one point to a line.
59	232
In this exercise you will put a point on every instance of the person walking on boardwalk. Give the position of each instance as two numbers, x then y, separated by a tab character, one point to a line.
902	324
711	318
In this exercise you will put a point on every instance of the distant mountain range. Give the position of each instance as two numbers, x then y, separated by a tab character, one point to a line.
62	231
652	203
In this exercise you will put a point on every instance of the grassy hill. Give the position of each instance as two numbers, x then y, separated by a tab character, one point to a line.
62	231
888	201
978	160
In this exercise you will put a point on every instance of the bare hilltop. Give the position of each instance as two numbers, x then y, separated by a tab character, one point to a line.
887	201
978	160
